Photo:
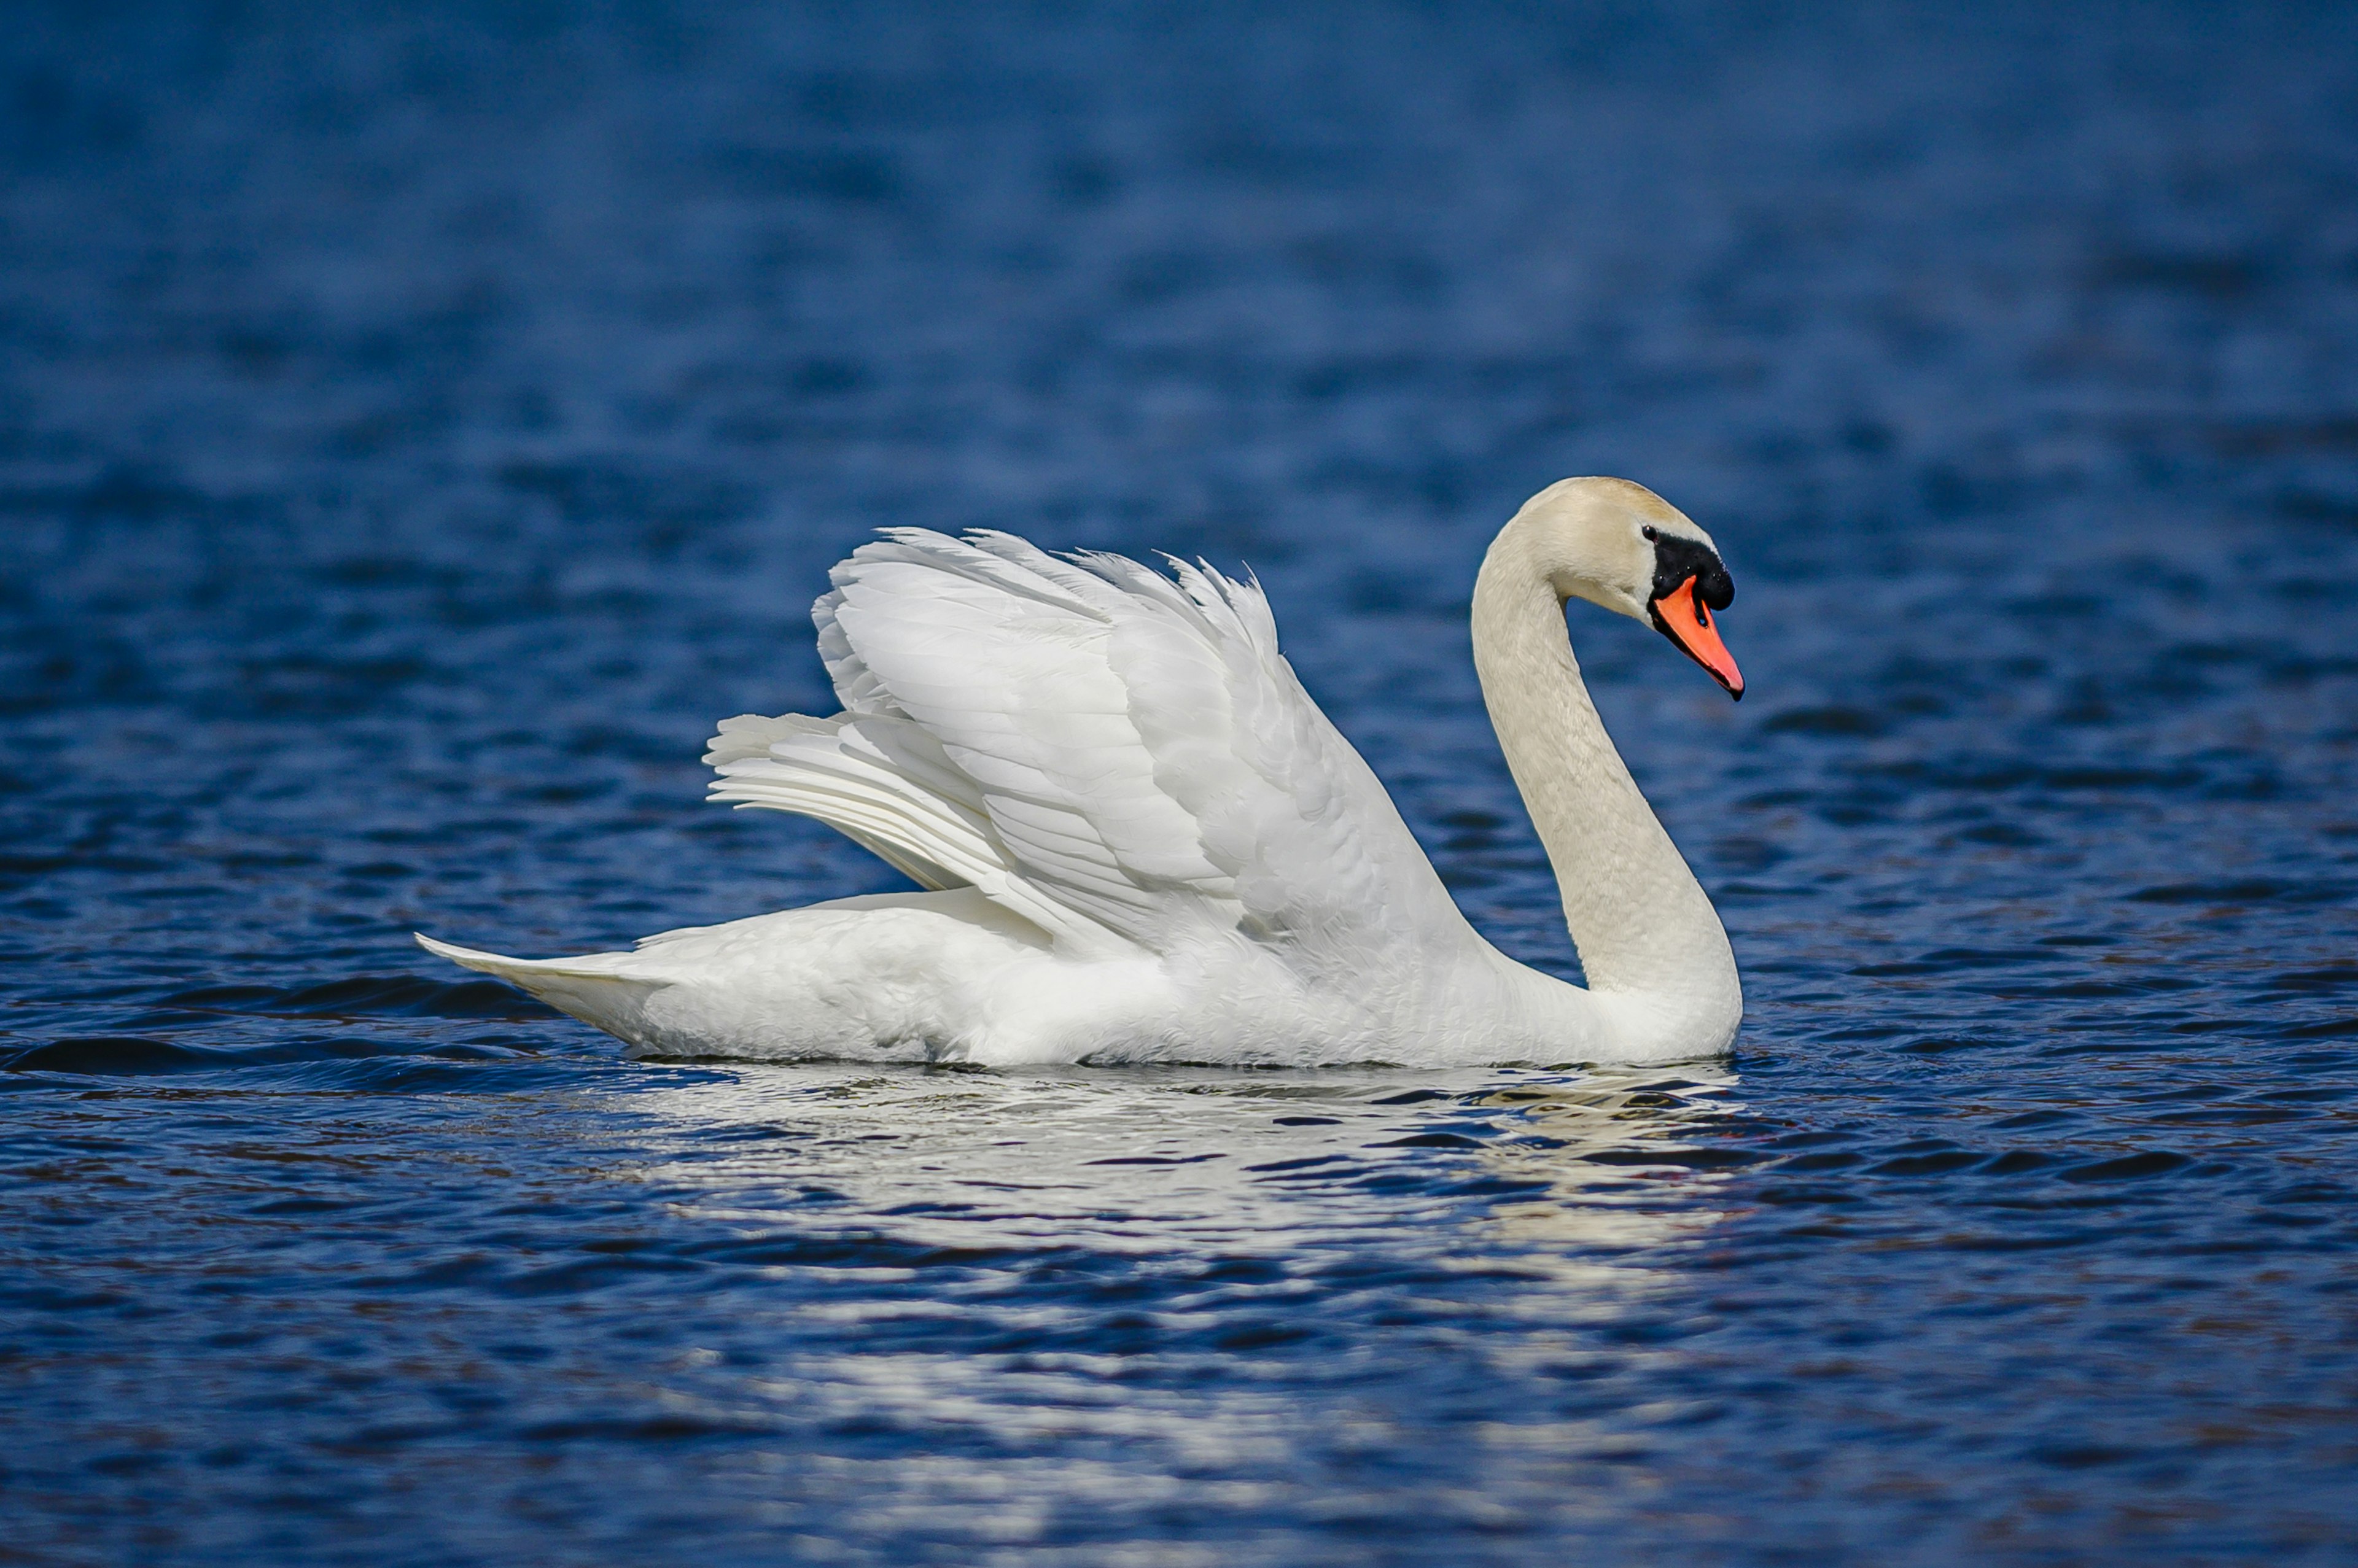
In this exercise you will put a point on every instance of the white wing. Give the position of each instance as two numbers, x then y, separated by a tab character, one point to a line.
1122	758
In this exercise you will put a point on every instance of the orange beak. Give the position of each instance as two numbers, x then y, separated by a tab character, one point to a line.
1685	620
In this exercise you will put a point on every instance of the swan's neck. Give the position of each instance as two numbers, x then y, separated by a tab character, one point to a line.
1641	921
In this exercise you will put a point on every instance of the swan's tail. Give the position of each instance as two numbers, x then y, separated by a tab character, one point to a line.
596	988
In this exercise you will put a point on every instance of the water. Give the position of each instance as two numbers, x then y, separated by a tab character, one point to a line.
417	425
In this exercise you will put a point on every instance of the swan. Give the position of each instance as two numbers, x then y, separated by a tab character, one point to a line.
1140	840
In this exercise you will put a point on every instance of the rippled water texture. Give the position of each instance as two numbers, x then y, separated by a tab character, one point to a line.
413	432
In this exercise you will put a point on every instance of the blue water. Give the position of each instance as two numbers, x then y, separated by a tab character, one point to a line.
418	423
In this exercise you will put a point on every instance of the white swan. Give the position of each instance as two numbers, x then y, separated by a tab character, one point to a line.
1143	841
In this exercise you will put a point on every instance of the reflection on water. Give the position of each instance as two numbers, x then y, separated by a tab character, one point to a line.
1156	1160
1623	1168
1115	1239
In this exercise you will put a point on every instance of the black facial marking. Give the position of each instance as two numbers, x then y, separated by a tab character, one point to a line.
1677	559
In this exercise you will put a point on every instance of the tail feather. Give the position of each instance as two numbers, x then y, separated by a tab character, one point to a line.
519	971
594	987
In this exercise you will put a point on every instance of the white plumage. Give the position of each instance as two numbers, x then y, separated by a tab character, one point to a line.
1139	840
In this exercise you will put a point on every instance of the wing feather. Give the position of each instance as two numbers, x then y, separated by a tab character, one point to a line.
1121	755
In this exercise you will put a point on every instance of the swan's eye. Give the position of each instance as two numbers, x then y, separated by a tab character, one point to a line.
1648	531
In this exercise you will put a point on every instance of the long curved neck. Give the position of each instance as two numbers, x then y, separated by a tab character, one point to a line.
1641	921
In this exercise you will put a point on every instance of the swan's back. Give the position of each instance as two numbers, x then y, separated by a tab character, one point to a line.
1120	757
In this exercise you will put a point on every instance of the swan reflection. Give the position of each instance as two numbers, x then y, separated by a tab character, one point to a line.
1612	1155
1009	1262
1597	1166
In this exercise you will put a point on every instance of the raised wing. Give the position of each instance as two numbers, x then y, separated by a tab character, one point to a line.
1121	757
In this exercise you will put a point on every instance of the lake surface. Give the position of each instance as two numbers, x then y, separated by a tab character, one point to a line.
417	424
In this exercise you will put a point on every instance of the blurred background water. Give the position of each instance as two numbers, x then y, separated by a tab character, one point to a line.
418	423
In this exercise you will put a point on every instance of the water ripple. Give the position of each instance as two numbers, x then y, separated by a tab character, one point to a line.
415	430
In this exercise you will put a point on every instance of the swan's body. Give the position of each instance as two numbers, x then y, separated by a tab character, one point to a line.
1143	841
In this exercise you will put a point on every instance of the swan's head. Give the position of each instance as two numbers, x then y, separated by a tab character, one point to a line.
1619	545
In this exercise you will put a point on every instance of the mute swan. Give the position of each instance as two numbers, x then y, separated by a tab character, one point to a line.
1140	840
